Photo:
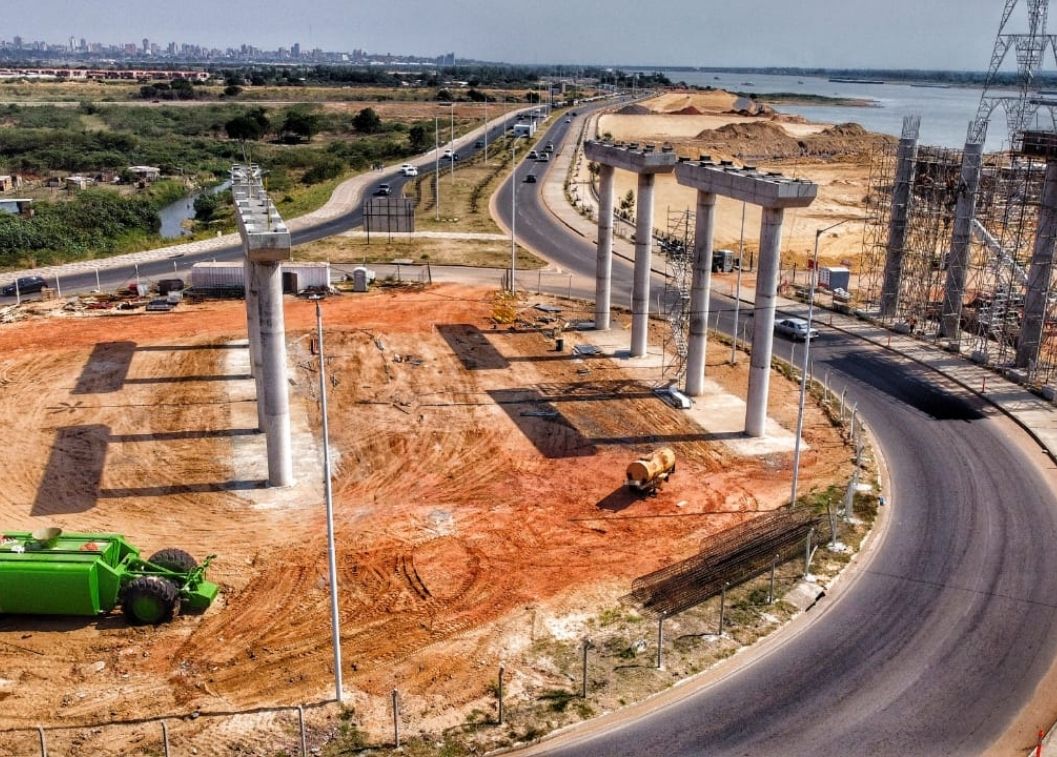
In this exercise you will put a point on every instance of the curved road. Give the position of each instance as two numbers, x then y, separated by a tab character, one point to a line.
113	278
945	634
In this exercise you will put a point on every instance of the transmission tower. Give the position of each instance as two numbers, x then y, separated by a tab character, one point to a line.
1024	109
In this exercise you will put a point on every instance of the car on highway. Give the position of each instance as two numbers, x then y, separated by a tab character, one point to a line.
549	147
530	179
24	285
543	157
449	155
408	170
479	144
568	120
383	190
533	155
795	329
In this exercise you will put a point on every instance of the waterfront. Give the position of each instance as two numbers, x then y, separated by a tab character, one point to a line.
945	111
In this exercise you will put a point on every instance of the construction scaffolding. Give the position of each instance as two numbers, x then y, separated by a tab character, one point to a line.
677	244
1003	236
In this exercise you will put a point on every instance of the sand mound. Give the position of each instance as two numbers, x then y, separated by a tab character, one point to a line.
710	101
635	110
689	110
768	140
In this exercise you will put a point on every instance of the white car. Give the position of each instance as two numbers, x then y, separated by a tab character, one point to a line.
408	170
795	329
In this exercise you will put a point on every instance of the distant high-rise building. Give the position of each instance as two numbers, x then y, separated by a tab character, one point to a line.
295	51
146	45
17	41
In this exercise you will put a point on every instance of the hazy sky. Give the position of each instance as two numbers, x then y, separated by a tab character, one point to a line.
835	33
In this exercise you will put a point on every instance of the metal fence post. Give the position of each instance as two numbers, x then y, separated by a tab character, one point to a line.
722	608
43	742
807	551
583	684
500	696
396	719
301	727
774	566
660	642
165	738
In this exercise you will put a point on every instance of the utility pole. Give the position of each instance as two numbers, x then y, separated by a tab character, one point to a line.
436	165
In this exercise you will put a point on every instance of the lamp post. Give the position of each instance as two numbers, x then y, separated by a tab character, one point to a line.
737	293
335	621
436	165
513	215
807	353
452	160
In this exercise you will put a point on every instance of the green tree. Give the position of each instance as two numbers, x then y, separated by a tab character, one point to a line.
205	206
444	95
532	96
232	90
418	137
299	126
367	121
245	127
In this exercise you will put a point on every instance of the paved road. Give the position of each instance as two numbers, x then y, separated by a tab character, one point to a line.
114	278
941	642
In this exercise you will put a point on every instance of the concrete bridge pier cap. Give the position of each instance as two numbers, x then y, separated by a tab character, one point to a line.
645	161
774	193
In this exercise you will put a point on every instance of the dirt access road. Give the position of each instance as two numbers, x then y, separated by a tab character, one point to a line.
463	524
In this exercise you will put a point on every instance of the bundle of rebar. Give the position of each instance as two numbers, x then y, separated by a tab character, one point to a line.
726	559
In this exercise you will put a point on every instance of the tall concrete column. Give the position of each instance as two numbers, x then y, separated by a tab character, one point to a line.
897	225
763	328
254	336
604	278
268	280
699	293
961	238
1040	273
640	294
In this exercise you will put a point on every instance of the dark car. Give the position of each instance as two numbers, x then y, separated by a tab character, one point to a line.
383	190
530	179
25	285
479	143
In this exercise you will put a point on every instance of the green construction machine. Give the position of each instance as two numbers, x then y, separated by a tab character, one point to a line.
48	572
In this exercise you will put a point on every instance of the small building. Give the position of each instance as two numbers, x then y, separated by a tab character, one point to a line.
78	182
223	275
145	173
525	129
834	277
8	182
17	207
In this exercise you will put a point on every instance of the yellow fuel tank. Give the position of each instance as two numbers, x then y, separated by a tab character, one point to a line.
646	474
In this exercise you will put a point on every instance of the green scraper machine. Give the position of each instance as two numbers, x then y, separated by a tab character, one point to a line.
48	572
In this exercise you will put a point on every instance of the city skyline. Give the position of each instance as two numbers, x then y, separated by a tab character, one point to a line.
813	33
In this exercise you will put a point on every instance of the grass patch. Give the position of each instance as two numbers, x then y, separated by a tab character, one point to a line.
421	250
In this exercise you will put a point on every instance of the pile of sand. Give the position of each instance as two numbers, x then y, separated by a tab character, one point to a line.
689	110
635	110
760	140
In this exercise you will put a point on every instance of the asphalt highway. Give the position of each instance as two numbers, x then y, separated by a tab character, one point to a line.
946	634
113	278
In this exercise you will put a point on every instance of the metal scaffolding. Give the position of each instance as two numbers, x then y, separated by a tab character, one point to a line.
677	244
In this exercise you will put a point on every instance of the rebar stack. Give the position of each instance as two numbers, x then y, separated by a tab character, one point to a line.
733	556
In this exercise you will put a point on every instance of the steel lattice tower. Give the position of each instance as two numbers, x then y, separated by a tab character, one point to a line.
1025	108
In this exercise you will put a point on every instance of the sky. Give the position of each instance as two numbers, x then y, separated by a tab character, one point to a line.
948	34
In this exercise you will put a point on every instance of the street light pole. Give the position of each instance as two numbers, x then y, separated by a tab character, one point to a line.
807	353
737	294
436	165
513	215
452	161
335	621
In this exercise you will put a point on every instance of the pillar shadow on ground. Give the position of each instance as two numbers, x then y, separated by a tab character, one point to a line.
898	380
107	368
74	471
473	348
542	424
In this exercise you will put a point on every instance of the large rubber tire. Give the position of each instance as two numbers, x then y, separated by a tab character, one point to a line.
149	600
173	559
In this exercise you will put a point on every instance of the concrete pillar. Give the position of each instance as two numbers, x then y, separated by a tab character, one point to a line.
699	293
1040	273
268	280
961	239
763	328
897	225
253	331
640	294
604	278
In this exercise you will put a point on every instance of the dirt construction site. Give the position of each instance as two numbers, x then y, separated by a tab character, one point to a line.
478	491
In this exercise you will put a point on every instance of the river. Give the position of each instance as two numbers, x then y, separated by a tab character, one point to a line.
174	214
945	112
